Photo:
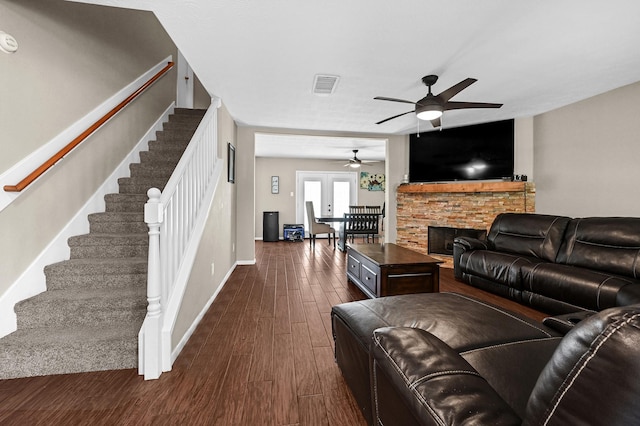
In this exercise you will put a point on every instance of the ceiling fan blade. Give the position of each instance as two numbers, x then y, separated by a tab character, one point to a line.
463	105
455	89
436	122
395	116
383	98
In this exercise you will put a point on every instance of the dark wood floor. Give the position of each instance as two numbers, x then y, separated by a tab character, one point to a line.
262	355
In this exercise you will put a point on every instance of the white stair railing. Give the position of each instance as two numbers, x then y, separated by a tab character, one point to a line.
173	217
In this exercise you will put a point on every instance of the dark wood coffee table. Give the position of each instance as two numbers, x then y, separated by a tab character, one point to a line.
387	269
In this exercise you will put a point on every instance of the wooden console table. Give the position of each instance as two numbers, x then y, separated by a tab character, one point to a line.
387	269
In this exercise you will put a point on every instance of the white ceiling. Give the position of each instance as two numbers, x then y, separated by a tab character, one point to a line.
321	147
261	57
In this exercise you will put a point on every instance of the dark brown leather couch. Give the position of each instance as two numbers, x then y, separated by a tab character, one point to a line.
590	379
461	322
554	263
448	359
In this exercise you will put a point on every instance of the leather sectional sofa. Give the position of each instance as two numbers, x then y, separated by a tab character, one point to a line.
449	359
554	263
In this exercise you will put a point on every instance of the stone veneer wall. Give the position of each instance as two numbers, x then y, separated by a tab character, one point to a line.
459	205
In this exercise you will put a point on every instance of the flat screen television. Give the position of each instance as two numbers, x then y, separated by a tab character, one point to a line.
478	152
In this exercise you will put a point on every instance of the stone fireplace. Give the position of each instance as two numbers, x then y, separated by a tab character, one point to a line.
464	205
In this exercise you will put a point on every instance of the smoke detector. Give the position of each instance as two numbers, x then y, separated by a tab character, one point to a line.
8	44
325	85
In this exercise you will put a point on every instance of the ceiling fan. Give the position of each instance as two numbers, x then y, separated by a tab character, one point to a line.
432	106
355	162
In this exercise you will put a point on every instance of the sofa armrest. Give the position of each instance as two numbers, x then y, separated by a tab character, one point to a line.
628	295
468	243
462	245
564	323
418	379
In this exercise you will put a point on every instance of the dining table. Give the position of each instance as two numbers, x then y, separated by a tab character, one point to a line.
342	241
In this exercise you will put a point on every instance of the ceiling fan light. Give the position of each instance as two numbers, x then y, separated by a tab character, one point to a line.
430	114
354	165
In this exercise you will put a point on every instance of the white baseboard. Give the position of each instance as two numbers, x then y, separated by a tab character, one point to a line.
33	281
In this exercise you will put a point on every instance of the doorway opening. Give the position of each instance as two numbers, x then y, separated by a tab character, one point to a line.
331	193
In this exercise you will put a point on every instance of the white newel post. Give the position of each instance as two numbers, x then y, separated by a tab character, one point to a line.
151	347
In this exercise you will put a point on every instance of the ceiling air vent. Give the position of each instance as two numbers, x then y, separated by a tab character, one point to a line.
325	84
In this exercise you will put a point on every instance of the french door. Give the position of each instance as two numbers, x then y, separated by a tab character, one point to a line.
331	193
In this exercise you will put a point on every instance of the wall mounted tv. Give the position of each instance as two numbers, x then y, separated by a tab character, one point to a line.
478	152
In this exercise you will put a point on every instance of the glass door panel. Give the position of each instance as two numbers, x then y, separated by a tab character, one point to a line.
341	196
331	193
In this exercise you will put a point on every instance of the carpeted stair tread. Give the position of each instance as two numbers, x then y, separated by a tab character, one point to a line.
117	222
166	147
189	111
141	181
103	266
97	273
111	245
122	297
83	294
139	169
131	203
81	307
53	335
55	350
117	216
159	157
96	239
175	134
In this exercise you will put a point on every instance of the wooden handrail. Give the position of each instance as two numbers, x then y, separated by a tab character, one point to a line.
95	126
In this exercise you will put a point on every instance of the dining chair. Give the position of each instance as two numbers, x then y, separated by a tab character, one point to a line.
316	228
379	211
357	209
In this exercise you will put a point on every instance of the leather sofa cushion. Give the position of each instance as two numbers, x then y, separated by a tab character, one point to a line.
533	235
462	322
512	368
499	267
586	288
446	390
592	377
603	243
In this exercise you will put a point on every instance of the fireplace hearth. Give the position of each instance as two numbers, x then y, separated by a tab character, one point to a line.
440	238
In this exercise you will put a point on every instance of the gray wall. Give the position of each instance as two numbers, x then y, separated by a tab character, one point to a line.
286	169
586	156
72	57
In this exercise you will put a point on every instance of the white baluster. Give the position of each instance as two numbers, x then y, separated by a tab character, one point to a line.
153	216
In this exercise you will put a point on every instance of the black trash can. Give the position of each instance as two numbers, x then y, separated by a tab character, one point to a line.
270	226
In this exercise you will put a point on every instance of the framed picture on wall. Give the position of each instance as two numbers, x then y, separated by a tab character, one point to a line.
231	163
372	181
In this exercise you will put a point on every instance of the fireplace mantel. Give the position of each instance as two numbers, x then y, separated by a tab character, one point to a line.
469	187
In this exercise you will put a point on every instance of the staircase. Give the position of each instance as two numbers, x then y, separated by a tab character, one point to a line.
95	303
